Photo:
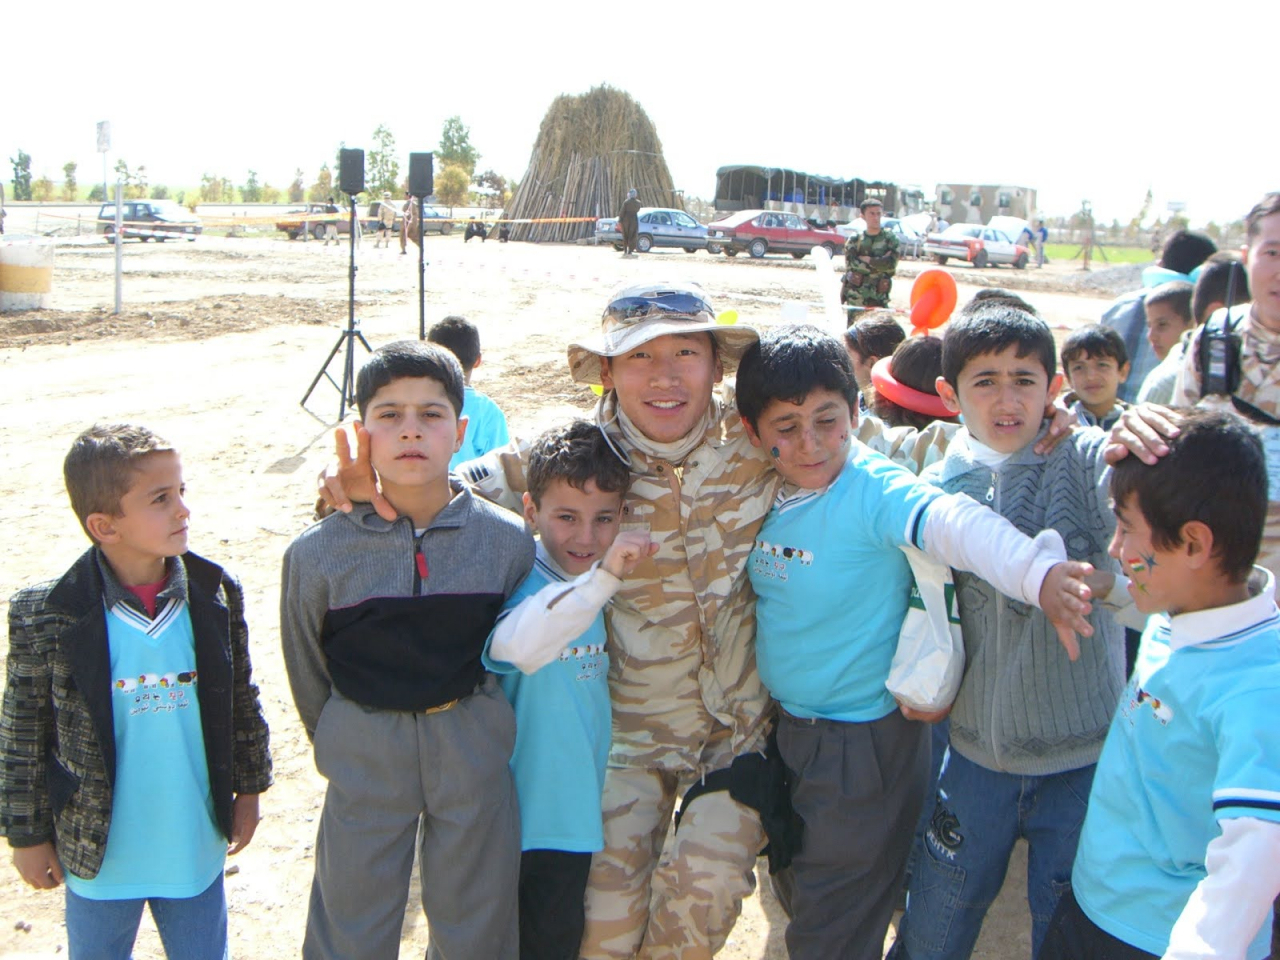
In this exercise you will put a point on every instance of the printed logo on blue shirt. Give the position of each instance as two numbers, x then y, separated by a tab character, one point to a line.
156	693
773	559
590	657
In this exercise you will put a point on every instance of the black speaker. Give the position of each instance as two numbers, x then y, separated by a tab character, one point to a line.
421	176
351	176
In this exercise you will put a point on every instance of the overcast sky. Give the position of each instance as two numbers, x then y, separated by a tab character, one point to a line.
1082	99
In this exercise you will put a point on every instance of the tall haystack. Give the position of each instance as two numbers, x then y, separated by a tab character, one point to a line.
591	149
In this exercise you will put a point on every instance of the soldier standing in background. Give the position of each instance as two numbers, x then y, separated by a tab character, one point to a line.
871	259
629	223
386	220
408	212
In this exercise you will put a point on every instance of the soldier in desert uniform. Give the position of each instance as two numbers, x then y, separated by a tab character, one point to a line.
629	223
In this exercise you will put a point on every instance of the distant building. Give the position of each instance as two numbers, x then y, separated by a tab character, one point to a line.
978	203
810	195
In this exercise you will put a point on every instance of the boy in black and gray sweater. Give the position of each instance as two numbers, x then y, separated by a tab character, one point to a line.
384	614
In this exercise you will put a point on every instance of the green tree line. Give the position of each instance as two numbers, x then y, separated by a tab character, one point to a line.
456	180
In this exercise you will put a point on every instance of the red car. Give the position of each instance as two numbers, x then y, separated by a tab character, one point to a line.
769	231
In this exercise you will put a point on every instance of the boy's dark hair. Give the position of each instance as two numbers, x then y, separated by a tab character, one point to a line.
1215	278
1268	205
875	334
990	296
1215	472
787	364
917	363
1185	250
574	453
1177	294
870	202
459	335
1095	340
412	359
101	465
992	328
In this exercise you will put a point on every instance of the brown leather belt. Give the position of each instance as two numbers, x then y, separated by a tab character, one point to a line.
439	709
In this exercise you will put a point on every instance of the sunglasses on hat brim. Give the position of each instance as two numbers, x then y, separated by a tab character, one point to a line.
635	309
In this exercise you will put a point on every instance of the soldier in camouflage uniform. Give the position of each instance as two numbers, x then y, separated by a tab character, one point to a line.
686	696
1258	327
870	259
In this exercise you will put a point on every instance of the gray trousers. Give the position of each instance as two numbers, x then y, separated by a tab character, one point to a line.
859	788
390	773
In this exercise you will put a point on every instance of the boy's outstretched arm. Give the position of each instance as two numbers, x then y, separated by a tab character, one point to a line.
531	635
964	534
38	865
1064	598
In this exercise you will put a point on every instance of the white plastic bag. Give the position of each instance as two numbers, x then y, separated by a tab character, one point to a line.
929	663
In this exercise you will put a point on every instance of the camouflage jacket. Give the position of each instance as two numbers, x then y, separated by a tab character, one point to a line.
870	281
57	740
1259	387
682	627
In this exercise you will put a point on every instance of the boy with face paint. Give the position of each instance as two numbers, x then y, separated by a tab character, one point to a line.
1180	852
825	635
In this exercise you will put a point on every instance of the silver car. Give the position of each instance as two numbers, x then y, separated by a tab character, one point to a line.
659	227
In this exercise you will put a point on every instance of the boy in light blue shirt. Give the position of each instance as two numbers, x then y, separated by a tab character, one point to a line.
1180	852
832	586
486	424
549	648
132	742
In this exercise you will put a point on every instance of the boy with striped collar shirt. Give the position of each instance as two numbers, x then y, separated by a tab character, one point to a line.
1180	852
549	649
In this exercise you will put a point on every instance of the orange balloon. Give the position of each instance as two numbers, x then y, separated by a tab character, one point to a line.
933	297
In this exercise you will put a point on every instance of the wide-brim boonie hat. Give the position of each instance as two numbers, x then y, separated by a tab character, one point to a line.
639	313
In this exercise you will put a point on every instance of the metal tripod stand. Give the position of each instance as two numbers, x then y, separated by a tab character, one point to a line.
348	337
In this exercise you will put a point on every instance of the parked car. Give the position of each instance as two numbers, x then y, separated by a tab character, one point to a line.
433	221
659	227
910	243
149	220
298	221
979	245
769	231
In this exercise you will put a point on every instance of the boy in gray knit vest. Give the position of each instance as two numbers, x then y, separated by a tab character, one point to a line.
383	624
1031	715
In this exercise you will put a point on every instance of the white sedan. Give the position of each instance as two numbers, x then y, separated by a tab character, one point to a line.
979	245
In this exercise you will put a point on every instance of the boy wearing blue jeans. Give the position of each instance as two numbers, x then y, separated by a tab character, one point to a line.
383	625
132	744
1180	852
832	586
1029	720
549	648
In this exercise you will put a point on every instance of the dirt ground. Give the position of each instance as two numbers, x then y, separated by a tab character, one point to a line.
217	344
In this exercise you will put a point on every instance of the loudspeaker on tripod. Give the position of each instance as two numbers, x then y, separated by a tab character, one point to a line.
421	175
351	172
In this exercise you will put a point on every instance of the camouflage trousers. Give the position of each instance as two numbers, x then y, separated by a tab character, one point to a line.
865	290
681	907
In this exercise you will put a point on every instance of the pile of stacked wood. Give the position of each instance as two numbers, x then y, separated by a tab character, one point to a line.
592	148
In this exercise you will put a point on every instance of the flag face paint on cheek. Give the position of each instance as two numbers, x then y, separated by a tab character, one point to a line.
775	452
